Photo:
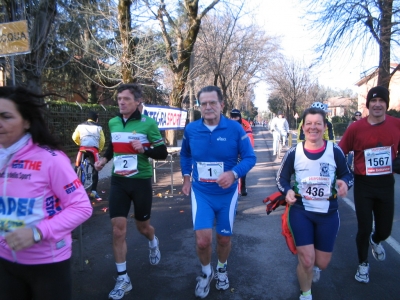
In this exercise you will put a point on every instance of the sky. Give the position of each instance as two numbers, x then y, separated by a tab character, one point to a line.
283	18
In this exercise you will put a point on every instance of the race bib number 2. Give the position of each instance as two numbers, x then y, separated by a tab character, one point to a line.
125	165
209	171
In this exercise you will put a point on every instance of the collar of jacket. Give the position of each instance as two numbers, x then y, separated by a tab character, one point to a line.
136	115
223	122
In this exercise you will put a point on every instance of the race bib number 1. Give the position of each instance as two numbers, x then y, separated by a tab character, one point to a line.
125	165
209	171
378	161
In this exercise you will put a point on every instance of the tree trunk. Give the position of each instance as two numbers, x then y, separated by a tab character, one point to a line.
128	42
32	64
384	46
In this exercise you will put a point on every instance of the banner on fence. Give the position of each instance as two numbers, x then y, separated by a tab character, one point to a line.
14	38
166	117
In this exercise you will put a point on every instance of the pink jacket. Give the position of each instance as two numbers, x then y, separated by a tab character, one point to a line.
40	188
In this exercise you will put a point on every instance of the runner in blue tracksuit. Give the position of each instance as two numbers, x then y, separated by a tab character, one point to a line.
209	154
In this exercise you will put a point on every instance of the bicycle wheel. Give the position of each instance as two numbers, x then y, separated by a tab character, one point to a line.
88	173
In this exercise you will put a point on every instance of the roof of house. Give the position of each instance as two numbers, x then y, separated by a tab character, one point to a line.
373	74
338	101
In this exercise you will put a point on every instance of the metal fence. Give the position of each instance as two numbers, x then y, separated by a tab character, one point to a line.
62	120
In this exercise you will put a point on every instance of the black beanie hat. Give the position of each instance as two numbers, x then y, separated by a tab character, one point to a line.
93	115
236	113
378	92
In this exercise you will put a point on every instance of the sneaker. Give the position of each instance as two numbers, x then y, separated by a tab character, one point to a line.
96	196
316	274
302	297
377	250
155	254
203	284
362	273
121	288
244	192
222	279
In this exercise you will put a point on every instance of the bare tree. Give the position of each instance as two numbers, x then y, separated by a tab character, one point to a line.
179	40
128	42
290	80
348	23
233	56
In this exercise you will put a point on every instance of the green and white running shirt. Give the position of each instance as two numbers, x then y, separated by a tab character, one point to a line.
127	161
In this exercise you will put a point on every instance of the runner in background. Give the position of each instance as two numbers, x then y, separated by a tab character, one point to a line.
237	116
280	129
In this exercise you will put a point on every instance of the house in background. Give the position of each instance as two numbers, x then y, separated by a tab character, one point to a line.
339	106
371	80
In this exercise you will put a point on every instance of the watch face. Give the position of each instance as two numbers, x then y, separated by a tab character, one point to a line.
36	235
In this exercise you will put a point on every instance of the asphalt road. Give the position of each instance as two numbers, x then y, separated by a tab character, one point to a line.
260	265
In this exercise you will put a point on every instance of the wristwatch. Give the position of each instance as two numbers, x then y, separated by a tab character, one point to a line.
235	174
36	235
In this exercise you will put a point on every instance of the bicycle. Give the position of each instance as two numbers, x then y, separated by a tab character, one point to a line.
85	165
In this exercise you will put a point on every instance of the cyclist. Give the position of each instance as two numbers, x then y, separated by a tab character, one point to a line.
90	137
280	129
237	116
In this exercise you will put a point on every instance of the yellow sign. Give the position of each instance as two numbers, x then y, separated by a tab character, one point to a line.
14	38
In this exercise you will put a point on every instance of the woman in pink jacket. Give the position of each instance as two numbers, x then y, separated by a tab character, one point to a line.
41	202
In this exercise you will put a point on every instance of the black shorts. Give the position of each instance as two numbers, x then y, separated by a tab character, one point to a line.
126	190
45	281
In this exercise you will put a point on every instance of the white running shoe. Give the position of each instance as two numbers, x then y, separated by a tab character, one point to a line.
302	297
222	279
203	284
377	250
155	254
121	288
362	274
316	274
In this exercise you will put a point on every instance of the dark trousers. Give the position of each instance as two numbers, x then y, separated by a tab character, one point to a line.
243	183
372	203
35	282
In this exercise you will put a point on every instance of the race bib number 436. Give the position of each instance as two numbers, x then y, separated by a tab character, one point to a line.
315	188
209	171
